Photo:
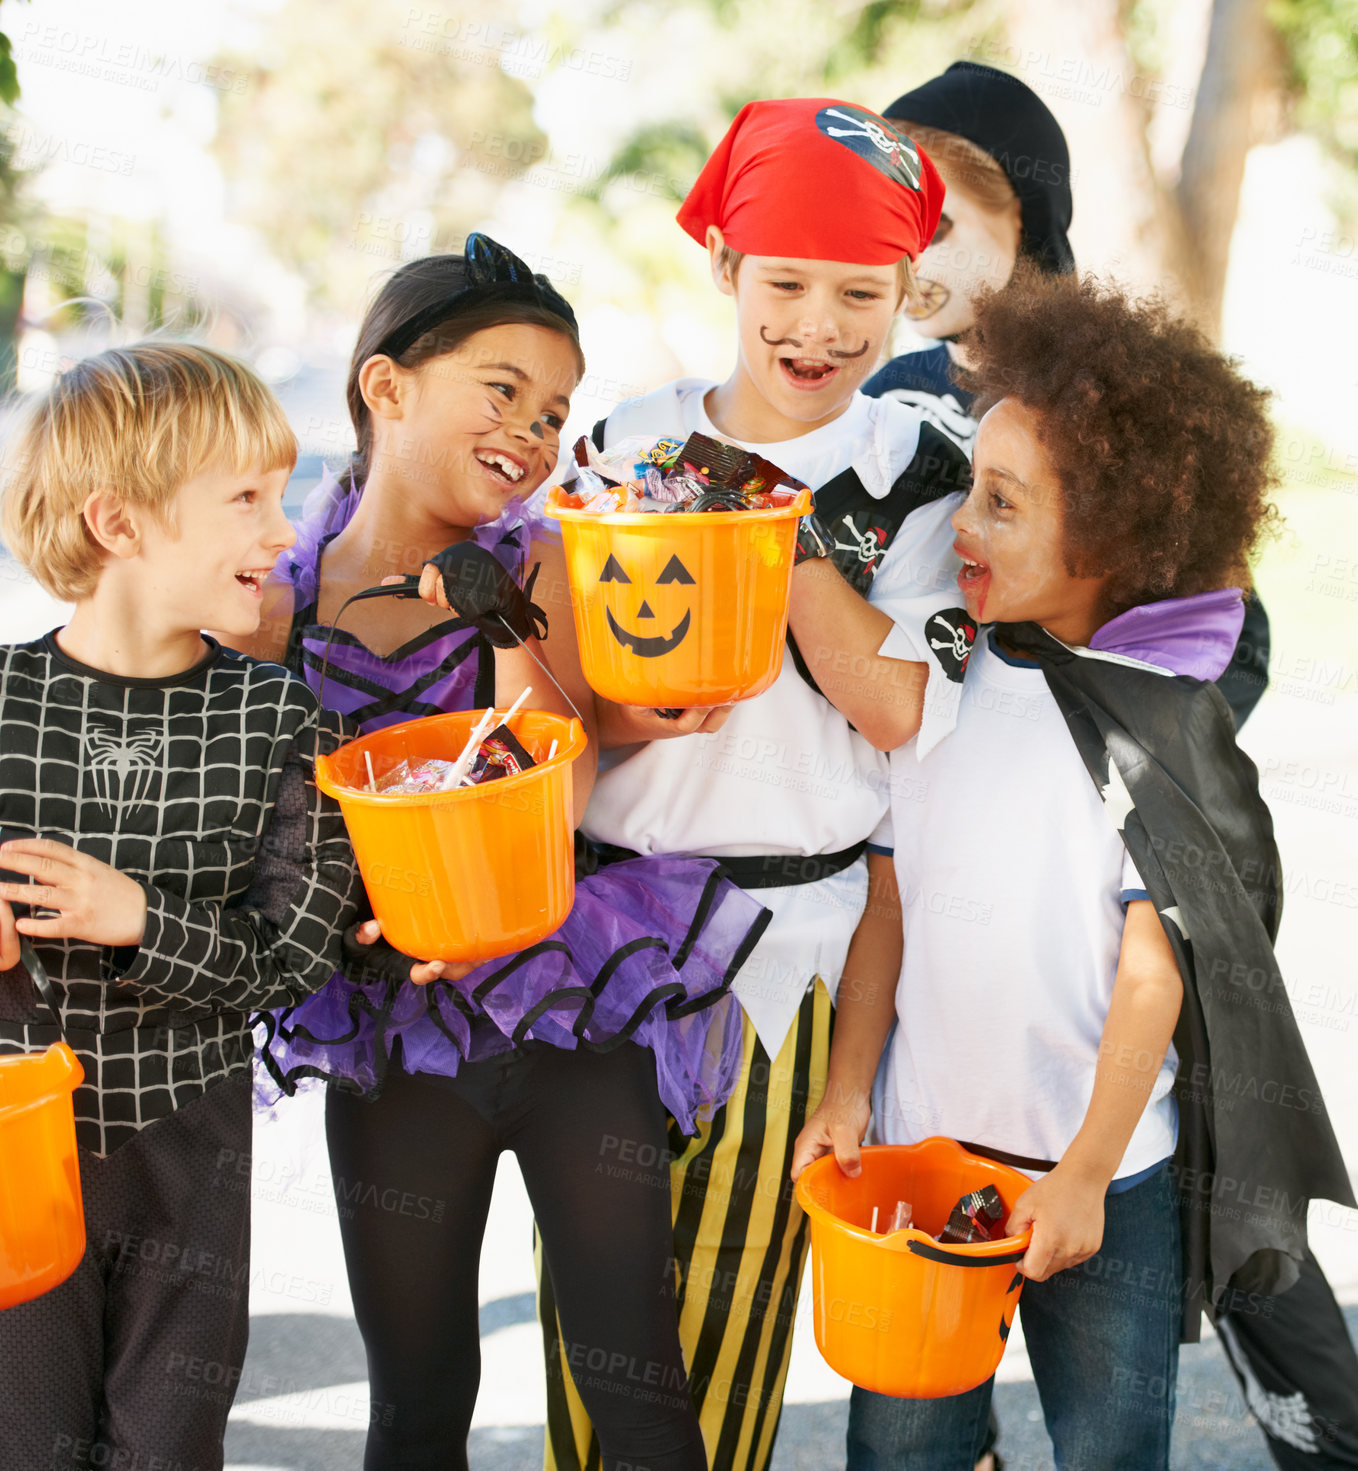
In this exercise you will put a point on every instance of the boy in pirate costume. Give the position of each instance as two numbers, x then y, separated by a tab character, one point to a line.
1117	1026
811	211
169	866
1004	160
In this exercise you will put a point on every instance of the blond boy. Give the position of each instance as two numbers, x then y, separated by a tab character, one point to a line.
171	867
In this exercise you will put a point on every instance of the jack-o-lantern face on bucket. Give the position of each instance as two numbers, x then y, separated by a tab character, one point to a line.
643	644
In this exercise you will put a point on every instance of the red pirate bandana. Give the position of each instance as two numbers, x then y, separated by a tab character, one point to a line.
815	179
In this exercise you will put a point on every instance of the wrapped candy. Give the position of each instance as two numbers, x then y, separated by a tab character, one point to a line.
664	475
411	781
499	754
978	1216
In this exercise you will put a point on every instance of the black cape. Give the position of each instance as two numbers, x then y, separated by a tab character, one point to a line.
1255	1140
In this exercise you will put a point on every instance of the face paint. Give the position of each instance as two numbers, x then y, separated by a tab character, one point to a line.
974	247
1010	534
536	428
797	342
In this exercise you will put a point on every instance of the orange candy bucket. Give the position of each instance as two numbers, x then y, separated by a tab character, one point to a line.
902	1314
42	1225
678	610
469	874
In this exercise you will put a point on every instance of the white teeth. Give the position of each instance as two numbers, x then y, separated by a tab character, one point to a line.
507	467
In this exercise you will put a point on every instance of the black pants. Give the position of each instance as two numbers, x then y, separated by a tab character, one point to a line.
413	1173
1299	1373
134	1359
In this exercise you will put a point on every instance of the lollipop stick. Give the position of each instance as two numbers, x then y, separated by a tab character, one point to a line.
482	726
517	705
372	780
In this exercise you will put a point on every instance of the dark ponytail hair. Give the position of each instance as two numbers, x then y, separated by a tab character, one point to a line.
417	285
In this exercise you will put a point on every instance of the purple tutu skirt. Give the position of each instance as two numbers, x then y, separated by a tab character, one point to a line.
647	955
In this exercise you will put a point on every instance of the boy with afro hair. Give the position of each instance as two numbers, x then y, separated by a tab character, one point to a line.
1086	797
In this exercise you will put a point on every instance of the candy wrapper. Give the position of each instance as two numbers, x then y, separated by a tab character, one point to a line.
978	1216
664	476
413	781
500	754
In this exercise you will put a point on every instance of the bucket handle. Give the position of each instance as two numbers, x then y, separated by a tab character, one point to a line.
409	587
932	1253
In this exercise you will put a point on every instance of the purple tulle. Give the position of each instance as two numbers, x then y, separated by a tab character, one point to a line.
605	977
647	954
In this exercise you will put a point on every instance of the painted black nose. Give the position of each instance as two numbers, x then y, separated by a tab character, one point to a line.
645	611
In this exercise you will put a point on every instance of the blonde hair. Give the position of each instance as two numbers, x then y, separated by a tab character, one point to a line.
138	421
906	287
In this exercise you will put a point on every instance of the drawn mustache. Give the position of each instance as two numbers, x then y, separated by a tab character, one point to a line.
796	342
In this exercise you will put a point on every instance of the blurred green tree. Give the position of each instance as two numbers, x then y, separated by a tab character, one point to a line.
12	261
373	133
1267	67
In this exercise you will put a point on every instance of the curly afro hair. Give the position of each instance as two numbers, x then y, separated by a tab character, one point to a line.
1163	451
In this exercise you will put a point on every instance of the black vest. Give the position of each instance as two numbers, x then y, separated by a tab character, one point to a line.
860	527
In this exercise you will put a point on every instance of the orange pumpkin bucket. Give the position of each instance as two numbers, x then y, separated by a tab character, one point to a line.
42	1224
469	874
680	609
900	1313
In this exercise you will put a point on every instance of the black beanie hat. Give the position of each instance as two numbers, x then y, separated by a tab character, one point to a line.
1008	120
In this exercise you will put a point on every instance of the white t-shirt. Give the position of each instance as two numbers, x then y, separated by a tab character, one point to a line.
786	773
1012	878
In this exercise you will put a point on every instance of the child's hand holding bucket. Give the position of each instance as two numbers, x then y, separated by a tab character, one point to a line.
838	1125
1065	1210
401	967
630	725
467	580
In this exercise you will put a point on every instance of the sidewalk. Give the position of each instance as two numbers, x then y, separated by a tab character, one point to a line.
303	1401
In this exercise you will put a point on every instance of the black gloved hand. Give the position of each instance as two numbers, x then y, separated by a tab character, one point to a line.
812	539
480	590
376	962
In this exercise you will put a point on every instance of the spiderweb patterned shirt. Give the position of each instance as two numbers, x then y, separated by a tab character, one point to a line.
200	787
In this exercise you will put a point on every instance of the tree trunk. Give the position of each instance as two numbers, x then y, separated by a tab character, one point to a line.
1073	54
1236	73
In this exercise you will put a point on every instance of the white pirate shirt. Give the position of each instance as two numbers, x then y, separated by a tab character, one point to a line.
200	787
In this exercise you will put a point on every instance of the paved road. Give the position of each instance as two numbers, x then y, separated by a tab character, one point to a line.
303	1403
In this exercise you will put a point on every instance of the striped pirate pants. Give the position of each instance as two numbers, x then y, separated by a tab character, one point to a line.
740	1242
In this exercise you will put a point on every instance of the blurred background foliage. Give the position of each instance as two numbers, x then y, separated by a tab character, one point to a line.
345	136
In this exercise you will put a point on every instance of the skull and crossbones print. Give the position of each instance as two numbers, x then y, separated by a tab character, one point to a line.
873	140
951	635
865	546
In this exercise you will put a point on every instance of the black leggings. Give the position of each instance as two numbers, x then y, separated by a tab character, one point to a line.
413	1174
